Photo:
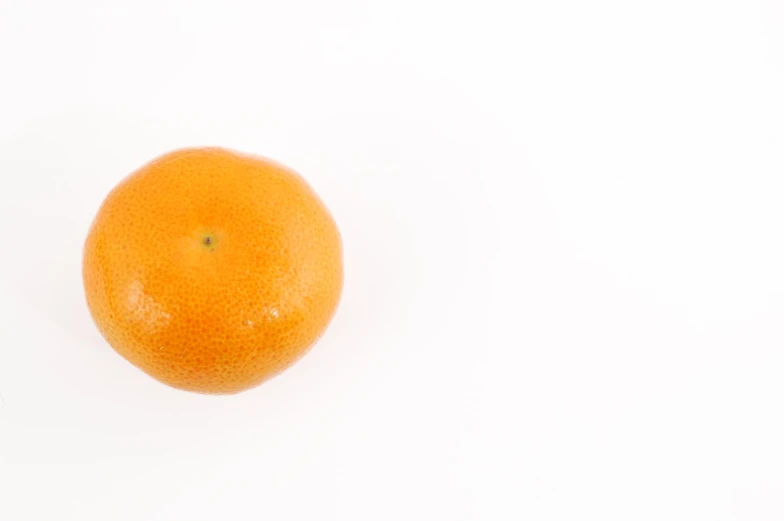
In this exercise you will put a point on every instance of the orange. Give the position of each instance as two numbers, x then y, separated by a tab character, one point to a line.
211	270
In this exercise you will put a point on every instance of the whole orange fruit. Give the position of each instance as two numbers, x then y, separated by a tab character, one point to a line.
211	270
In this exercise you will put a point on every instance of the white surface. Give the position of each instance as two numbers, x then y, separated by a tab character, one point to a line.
564	258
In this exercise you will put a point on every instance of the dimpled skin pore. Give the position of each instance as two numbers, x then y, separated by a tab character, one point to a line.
211	270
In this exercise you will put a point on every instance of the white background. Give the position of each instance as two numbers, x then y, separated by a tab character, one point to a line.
564	258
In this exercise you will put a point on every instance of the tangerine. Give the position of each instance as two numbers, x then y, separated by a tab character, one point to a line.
211	270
